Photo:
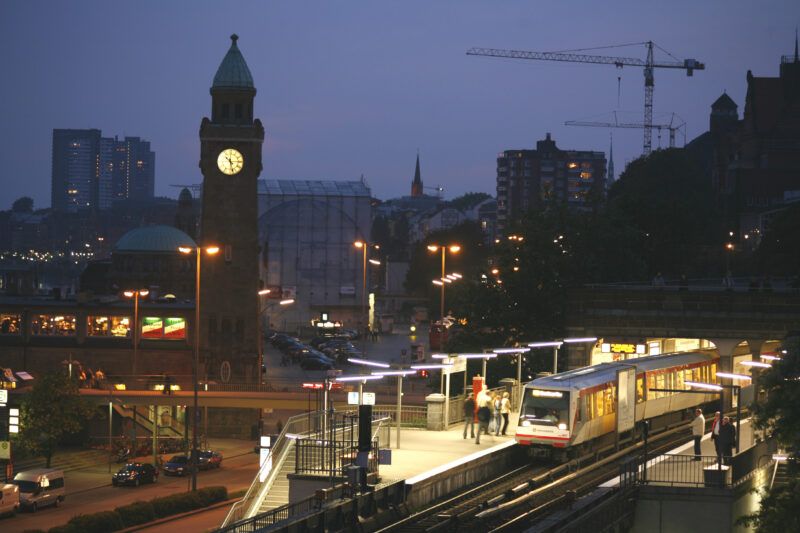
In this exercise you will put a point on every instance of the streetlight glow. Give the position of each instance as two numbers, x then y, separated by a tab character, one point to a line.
374	262
731	375
212	250
358	244
706	386
357	361
545	344
357	378
455	248
511	350
287	301
437	282
185	249
433	247
263	292
477	355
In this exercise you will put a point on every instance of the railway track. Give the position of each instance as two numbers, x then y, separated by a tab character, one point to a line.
520	496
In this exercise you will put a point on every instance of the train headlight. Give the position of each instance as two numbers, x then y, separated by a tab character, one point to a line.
562	426
526	423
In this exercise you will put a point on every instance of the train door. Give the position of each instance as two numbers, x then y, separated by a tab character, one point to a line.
626	400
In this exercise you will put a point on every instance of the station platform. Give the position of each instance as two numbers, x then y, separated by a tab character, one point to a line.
426	452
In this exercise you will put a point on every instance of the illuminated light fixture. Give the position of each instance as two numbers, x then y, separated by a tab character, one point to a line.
119	386
357	361
495	271
212	250
447	280
357	378
545	344
511	350
432	247
287	301
547	393
454	248
263	292
780	457
440	356
516	269
394	373
706	386
430	367
174	387
451	277
477	355
437	282
731	375
581	339
184	249
374	262
770	357
358	244
313	386
755	364
456	275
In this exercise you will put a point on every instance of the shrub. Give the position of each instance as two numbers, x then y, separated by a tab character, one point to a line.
136	513
101	522
65	528
211	495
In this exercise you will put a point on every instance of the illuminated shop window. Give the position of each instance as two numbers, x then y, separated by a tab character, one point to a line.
109	326
10	324
159	328
53	325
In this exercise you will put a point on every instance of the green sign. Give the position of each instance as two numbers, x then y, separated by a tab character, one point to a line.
5	449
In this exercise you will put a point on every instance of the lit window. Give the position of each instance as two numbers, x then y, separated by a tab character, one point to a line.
572	164
53	325
10	324
586	175
104	326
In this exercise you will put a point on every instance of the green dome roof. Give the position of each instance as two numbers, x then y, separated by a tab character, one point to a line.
153	239
233	71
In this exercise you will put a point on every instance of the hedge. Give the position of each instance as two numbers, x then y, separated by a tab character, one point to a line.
142	512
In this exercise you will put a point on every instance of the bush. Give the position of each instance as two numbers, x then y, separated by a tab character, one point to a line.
101	522
136	513
66	528
187	501
213	494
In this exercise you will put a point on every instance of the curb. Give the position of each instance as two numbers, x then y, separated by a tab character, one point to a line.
180	516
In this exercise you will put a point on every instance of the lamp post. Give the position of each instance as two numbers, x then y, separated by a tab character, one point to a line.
198	251
454	249
364	246
287	301
556	344
135	295
520	353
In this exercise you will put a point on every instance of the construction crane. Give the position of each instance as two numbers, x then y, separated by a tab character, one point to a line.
675	124
649	64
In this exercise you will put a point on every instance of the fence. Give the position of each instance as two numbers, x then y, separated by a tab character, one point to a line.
675	469
329	458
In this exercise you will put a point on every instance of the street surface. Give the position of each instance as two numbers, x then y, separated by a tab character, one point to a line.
90	491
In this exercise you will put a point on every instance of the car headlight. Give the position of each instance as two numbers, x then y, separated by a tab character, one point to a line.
526	423
562	426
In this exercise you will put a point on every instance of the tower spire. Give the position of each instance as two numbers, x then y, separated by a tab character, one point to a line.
416	185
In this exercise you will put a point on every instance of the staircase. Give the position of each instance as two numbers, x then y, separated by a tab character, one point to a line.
781	475
142	420
278	494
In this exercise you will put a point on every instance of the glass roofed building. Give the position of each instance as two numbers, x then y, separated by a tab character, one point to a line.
306	232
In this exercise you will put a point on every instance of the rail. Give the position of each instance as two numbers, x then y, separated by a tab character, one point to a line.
306	424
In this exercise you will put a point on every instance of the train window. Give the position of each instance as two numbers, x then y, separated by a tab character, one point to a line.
586	407
687	374
609	396
713	372
598	402
651	384
679	380
639	390
660	385
696	375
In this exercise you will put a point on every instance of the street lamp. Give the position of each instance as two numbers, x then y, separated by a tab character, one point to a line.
288	301
364	247
198	251
453	249
400	375
135	295
556	344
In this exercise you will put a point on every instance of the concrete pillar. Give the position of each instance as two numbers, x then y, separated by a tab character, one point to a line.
726	347
435	411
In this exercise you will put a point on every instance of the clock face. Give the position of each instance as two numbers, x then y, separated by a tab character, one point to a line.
230	161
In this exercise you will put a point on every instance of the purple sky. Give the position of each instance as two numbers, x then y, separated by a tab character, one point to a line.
356	87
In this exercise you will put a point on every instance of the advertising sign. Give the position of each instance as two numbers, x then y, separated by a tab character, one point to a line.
175	328
152	327
352	398
368	398
5	449
626	399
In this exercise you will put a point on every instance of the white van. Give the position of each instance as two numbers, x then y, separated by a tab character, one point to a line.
9	499
40	488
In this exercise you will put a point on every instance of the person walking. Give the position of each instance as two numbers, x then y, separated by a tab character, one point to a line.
469	416
715	425
505	410
698	428
727	440
484	415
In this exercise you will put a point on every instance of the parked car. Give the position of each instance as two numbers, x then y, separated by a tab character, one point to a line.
9	499
208	459
315	363
178	465
135	474
40	487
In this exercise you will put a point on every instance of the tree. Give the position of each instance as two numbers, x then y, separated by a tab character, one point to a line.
779	416
23	205
468	200
777	254
52	410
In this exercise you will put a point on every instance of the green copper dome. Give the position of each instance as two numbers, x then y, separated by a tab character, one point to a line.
153	239
233	71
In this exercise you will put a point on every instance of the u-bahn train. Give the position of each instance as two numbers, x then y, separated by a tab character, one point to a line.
576	411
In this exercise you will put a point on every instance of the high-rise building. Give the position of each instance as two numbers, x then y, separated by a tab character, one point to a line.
531	179
90	171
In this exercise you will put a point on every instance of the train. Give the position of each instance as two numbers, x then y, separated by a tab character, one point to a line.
581	410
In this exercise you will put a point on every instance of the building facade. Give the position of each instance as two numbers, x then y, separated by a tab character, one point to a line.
230	161
90	171
307	230
532	179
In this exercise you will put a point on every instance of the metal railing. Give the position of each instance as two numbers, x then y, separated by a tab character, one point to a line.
306	424
676	469
272	517
329	458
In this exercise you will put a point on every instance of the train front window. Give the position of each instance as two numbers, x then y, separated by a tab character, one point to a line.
546	407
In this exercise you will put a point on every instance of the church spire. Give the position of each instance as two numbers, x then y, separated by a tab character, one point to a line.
416	185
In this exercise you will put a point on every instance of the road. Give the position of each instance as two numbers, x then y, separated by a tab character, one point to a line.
236	473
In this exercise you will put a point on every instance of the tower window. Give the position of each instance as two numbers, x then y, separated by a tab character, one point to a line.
238	111
226	109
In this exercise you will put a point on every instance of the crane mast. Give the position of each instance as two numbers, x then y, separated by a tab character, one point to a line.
648	64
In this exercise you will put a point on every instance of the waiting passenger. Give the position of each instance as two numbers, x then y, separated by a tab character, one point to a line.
698	428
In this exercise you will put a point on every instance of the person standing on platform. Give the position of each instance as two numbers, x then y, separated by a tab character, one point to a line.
727	440
698	428
484	415
469	416
505	410
497	406
715	425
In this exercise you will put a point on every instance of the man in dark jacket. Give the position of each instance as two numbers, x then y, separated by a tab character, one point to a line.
469	416
727	440
484	414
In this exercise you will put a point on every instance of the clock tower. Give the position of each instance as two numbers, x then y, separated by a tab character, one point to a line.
230	160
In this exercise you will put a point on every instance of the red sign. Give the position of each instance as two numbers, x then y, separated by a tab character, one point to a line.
312	386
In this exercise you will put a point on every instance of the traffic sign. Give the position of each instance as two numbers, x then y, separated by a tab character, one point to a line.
5	449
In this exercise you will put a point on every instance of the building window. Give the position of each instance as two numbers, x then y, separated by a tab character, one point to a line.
10	324
586	175
238	111
226	109
105	326
159	328
53	325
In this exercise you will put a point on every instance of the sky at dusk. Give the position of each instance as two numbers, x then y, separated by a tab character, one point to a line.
357	87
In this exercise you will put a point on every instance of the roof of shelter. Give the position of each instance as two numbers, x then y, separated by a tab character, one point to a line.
153	239
313	188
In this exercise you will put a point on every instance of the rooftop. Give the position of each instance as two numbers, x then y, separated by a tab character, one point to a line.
313	188
233	71
153	239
